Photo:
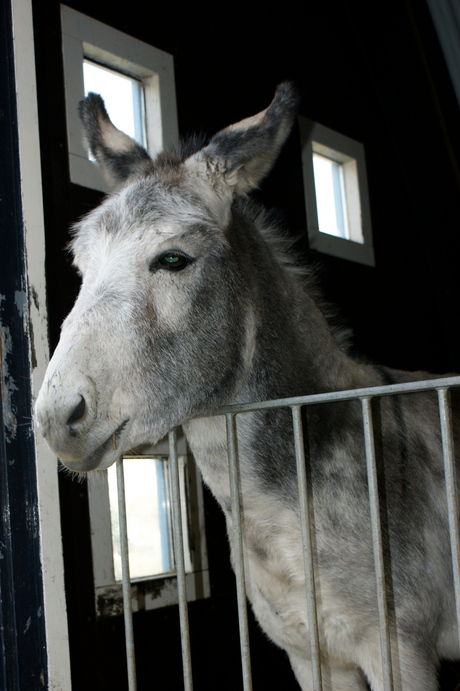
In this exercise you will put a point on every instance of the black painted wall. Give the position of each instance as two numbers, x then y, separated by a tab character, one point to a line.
373	72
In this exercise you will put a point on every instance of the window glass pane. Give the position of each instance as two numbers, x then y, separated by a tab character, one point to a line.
330	196
122	96
148	512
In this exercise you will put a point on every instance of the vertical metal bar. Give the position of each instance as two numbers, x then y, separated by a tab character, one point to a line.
377	544
163	514
178	543
238	557
305	526
451	491
126	581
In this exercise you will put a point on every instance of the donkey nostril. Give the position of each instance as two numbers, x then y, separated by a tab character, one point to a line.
78	412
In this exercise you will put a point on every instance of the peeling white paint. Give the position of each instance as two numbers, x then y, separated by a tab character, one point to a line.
20	300
9	385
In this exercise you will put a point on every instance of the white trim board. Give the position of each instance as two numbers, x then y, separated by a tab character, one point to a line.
47	480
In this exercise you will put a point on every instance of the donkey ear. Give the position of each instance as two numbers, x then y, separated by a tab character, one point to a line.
244	153
118	155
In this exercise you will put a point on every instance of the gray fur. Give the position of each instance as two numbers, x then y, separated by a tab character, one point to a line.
147	348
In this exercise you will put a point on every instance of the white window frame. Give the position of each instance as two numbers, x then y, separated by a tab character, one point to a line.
154	591
84	37
312	132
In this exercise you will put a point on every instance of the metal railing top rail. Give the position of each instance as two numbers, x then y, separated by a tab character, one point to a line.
345	395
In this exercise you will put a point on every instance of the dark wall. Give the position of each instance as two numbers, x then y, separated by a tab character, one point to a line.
373	72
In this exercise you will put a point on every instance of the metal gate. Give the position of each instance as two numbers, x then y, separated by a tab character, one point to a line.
365	396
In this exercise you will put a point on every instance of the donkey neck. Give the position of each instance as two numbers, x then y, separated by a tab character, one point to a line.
294	350
298	358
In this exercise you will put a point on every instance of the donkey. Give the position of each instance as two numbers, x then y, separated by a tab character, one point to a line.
189	302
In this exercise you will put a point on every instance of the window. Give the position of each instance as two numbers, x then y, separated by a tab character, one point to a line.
92	50
123	96
148	516
336	196
151	559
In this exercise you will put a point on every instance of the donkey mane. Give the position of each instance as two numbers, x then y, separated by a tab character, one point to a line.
269	223
179	151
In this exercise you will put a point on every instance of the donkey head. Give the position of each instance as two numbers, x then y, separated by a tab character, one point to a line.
162	328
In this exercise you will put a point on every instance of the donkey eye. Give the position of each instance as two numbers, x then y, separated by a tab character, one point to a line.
172	261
